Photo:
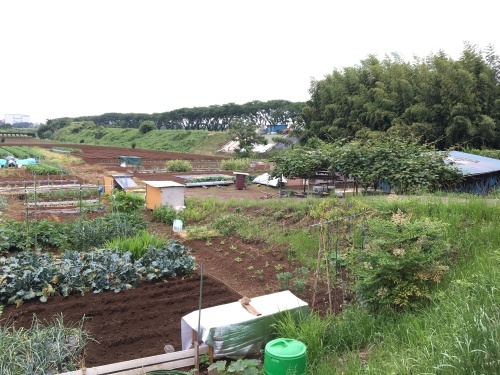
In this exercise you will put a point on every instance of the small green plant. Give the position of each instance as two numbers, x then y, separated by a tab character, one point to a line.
284	280
260	273
250	268
232	247
278	267
179	166
222	242
208	243
238	260
218	249
301	273
239	367
229	224
299	285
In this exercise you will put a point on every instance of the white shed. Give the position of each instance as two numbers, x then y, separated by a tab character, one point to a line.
164	193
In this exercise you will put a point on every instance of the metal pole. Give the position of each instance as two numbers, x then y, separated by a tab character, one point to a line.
199	308
81	199
198	335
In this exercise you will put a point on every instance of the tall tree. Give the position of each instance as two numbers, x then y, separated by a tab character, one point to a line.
245	132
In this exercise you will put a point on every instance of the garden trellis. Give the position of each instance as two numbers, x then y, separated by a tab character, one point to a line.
337	237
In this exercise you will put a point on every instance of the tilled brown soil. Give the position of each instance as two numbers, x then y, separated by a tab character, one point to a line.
131	324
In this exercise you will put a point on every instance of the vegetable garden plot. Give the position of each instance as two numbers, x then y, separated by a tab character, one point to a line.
132	324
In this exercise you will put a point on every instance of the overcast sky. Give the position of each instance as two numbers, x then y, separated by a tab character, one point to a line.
77	58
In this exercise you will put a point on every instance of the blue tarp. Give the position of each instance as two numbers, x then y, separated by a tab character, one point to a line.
26	161
29	161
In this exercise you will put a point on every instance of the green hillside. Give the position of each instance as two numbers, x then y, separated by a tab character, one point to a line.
188	141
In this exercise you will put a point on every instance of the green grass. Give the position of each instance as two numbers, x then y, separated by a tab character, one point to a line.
456	332
185	141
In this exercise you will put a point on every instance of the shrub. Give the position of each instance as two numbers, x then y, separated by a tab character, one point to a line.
147	126
402	260
126	202
235	164
179	166
164	214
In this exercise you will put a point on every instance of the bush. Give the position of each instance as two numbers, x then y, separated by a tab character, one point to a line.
126	202
235	164
179	166
164	214
402	260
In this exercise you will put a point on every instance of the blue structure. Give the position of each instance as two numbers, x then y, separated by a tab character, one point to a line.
274	128
13	162
481	174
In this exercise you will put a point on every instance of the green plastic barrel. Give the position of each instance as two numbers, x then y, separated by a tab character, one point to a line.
285	356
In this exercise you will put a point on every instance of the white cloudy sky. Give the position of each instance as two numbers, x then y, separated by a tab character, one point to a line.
75	58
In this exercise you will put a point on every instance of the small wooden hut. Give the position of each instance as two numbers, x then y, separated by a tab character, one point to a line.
164	193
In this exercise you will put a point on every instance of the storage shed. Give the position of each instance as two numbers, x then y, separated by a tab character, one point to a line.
164	193
481	174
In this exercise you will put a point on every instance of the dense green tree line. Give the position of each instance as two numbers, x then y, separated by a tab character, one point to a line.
435	99
212	118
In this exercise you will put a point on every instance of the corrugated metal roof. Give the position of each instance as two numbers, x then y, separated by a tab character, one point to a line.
473	164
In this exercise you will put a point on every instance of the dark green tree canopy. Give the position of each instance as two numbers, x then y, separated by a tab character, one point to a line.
406	165
212	118
147	126
436	99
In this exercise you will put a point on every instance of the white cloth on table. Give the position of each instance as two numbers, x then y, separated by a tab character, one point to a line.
234	332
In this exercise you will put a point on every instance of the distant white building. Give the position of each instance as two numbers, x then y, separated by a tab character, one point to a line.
16	118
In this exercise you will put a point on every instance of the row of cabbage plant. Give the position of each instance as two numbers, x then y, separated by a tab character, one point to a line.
27	275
